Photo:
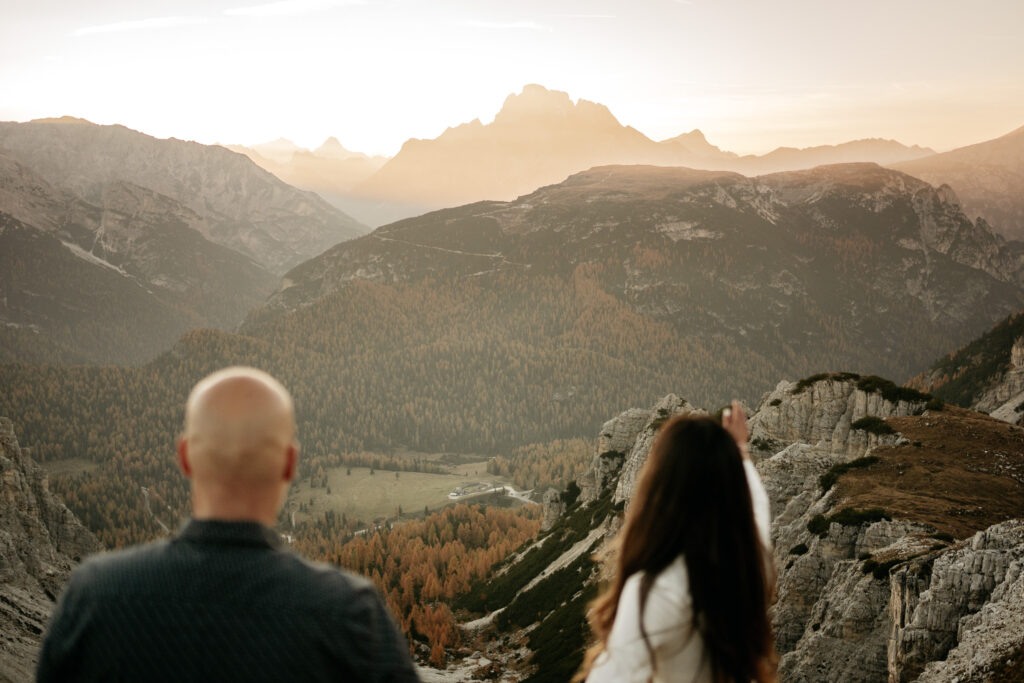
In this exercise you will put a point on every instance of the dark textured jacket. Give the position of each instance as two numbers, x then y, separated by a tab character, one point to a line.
221	601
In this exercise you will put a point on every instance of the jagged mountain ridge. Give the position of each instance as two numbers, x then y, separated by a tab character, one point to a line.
946	554
329	170
987	176
111	281
760	262
241	206
541	136
40	542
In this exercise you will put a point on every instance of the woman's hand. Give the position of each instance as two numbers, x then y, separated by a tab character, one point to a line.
734	420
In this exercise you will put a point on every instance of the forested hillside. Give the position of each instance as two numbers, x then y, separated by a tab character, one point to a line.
961	376
420	565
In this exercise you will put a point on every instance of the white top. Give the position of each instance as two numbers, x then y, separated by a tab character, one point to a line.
678	649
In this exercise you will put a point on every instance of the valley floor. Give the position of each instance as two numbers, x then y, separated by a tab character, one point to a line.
365	496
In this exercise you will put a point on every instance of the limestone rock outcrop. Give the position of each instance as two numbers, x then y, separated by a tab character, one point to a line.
1004	397
552	508
615	440
821	414
930	610
879	600
40	542
989	641
665	409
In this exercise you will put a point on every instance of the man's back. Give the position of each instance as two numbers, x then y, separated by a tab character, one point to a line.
221	601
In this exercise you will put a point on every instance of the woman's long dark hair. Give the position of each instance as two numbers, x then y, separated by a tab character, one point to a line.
693	500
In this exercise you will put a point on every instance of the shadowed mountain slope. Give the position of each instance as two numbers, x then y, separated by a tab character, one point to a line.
986	374
115	281
240	205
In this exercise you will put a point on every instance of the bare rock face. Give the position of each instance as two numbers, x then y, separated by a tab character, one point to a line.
665	409
553	507
790	478
832	617
872	601
40	542
846	635
616	439
821	415
990	640
928	623
1003	398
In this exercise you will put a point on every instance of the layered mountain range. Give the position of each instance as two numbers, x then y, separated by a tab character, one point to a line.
116	243
556	309
541	136
330	169
987	177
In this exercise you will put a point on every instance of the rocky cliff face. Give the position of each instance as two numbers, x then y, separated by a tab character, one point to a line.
821	414
988	642
936	600
1003	398
876	593
40	542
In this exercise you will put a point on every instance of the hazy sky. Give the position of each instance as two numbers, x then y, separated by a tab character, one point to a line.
752	74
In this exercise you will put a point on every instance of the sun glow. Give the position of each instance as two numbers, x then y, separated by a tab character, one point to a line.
374	74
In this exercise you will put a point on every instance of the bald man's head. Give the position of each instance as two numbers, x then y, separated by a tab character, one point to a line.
239	438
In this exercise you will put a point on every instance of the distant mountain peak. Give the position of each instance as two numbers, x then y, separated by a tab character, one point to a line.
695	143
538	104
64	119
280	150
333	149
1015	132
332	143
534	94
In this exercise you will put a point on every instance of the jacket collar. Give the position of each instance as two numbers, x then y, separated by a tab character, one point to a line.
228	533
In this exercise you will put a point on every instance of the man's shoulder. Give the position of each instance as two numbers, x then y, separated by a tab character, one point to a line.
279	573
114	567
320	577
